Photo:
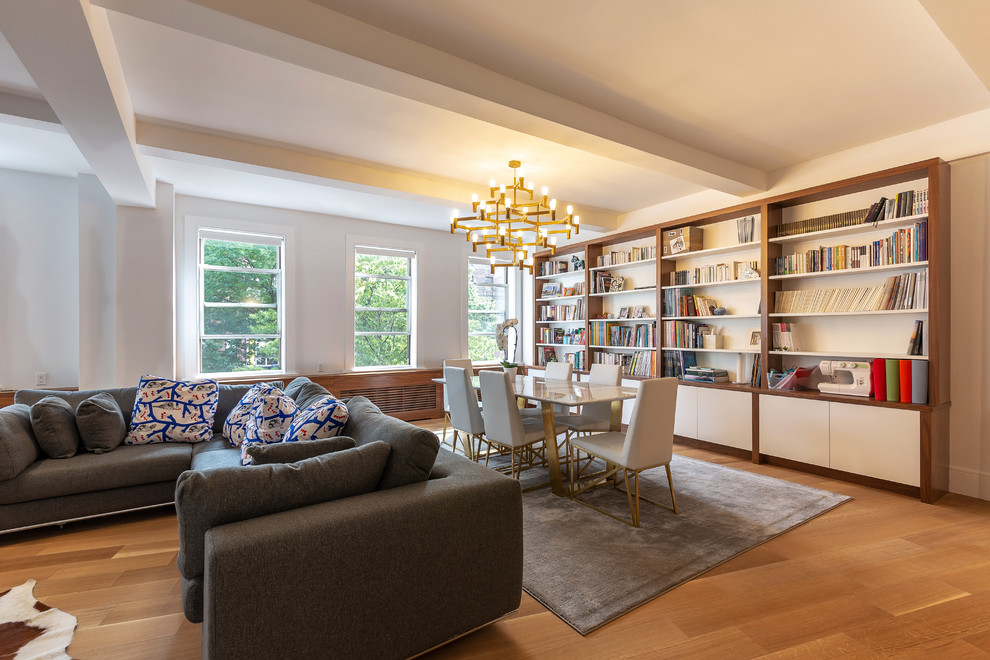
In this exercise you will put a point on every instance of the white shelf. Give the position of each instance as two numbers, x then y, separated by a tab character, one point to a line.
727	249
705	318
624	291
713	350
579	346
559	298
628	264
567	321
550	277
752	280
853	271
881	312
852	354
855	229
642	320
626	348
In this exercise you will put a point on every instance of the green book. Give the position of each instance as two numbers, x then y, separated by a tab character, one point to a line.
893	380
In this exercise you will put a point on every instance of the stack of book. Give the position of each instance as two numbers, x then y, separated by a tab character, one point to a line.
706	375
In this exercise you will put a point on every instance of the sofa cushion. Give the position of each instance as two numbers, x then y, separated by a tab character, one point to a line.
414	450
124	396
324	418
230	396
235	426
208	460
129	465
290	452
54	424
206	499
18	448
169	410
271	416
101	423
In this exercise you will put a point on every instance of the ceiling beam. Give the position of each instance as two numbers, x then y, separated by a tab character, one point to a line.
69	52
239	152
306	34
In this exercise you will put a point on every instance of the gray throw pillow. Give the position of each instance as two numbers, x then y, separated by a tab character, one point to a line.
290	452
414	450
18	448
292	389
54	423
101	423
309	393
209	498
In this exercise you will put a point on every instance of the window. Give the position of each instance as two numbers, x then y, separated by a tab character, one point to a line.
384	295
488	305
240	302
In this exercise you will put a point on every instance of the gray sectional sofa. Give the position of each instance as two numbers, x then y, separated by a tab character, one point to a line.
383	549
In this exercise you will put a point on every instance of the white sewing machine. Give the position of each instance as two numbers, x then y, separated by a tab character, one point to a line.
845	377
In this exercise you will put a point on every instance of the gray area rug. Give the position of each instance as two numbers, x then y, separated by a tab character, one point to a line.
589	569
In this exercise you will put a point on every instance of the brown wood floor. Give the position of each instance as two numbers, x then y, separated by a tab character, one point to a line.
881	576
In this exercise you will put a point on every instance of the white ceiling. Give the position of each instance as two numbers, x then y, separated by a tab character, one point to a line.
395	110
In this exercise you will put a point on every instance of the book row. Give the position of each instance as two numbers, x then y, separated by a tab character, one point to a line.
573	312
627	257
561	336
683	302
557	267
727	272
578	359
640	363
904	246
907	291
604	333
685	334
900	380
903	204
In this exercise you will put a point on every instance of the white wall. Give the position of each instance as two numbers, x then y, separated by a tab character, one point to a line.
318	325
969	418
145	323
97	285
39	269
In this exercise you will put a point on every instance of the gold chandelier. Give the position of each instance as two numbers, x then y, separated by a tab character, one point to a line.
514	220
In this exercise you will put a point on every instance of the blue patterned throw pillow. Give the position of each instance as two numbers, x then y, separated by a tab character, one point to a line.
324	418
167	410
271	416
235	426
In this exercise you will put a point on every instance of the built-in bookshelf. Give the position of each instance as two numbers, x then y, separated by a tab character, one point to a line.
561	308
845	272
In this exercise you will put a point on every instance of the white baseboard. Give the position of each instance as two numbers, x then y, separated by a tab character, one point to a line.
966	481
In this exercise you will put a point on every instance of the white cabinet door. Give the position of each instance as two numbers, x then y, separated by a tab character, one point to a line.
686	414
794	428
878	442
725	417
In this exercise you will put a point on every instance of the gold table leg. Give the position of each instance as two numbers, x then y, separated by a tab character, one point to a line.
550	442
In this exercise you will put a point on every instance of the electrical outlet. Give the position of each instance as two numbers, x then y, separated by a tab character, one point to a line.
41	378
321	367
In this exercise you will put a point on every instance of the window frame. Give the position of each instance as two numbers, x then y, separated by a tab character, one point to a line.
472	262
411	277
231	235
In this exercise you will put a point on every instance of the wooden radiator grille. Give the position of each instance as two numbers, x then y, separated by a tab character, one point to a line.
397	399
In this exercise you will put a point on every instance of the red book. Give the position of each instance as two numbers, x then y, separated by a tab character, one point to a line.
905	372
879	380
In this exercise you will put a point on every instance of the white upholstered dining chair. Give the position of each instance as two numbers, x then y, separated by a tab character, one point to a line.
504	426
648	443
465	413
464	363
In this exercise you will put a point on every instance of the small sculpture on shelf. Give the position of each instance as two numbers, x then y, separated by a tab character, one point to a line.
719	311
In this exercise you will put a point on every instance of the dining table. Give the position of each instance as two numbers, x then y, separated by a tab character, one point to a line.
567	393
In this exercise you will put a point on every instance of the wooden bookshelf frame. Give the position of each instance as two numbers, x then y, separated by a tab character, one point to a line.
934	416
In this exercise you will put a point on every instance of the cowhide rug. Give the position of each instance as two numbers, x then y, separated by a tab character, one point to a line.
30	629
